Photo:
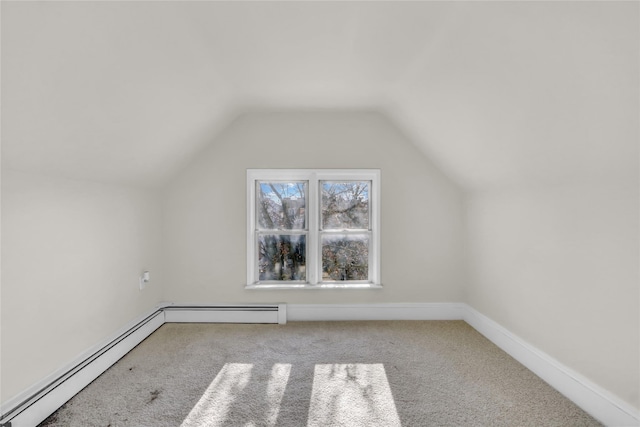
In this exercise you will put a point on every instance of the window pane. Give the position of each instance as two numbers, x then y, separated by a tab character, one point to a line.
281	205
345	205
345	257
282	257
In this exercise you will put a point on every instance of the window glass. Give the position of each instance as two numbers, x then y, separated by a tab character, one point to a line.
282	257
313	227
345	257
345	204
281	205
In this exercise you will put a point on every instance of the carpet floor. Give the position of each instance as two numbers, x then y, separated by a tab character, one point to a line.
382	373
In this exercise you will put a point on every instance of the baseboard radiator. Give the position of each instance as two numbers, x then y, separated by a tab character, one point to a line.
34	405
37	403
252	313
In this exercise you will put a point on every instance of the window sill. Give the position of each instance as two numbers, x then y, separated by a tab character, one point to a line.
314	287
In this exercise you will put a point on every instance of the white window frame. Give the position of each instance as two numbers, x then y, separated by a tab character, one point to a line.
313	261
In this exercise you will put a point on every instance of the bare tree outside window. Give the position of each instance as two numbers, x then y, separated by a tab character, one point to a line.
282	257
281	206
345	205
345	257
345	211
313	227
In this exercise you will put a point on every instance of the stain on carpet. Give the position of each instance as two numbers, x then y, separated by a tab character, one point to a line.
154	396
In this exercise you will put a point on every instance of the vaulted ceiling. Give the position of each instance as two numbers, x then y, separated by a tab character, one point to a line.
495	93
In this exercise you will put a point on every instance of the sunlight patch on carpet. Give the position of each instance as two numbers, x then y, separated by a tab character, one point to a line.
275	390
216	401
242	391
351	394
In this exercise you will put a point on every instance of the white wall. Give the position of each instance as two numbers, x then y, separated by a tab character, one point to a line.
72	252
205	209
558	266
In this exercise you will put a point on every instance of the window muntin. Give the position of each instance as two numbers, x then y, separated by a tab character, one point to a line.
313	228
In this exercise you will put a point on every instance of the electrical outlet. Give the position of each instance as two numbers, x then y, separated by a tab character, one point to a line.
144	279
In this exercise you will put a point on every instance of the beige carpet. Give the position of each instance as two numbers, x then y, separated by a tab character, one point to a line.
409	373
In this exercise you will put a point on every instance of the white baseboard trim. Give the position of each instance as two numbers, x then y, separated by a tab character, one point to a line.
390	311
34	405
593	399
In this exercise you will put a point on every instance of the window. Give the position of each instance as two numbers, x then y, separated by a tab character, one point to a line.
313	228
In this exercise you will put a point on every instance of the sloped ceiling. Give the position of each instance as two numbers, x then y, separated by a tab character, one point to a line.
495	93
